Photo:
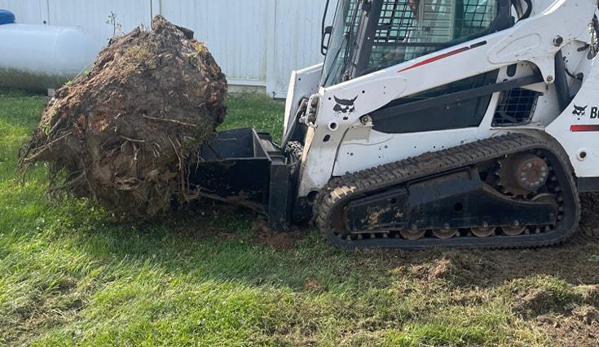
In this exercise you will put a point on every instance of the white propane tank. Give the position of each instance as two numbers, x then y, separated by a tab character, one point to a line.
43	57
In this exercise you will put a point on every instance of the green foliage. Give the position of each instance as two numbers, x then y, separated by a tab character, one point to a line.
117	28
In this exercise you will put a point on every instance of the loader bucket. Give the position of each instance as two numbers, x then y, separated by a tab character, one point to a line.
245	168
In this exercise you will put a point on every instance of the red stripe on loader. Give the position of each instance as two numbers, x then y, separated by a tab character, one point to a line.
444	55
584	128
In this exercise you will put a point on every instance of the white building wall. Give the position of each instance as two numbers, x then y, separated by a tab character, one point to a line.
256	42
28	11
296	42
93	16
235	31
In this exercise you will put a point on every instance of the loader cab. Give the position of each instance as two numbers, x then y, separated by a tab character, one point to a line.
371	35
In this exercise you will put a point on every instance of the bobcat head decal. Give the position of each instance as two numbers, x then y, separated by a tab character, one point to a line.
580	111
344	106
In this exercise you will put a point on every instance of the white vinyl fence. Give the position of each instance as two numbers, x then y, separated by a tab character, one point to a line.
257	42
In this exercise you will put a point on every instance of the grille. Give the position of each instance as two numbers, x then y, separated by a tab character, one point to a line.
476	17
515	107
395	21
408	29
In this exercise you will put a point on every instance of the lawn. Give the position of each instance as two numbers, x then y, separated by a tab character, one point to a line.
71	276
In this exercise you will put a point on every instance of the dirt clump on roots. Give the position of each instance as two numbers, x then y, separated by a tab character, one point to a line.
123	134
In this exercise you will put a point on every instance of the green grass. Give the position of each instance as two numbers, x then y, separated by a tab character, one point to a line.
256	111
70	276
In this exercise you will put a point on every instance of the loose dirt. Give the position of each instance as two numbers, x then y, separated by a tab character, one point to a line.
122	133
573	331
280	241
569	317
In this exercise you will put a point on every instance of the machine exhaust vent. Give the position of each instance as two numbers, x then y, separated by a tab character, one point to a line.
515	107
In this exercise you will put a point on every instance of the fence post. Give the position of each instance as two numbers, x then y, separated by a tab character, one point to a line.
45	12
271	47
155	8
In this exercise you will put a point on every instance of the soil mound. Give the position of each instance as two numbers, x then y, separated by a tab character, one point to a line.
575	331
458	267
539	301
122	134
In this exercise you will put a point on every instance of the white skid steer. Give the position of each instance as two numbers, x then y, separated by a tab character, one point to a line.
431	123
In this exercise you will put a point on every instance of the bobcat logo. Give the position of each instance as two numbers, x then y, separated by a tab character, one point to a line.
580	111
345	107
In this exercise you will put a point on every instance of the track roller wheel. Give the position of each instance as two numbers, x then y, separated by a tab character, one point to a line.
514	231
412	235
483	232
445	234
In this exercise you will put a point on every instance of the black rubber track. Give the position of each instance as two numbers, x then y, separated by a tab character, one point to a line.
340	191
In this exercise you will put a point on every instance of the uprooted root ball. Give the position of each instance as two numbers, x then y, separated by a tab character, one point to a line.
123	134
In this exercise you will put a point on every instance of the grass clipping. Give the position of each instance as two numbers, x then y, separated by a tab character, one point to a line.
122	135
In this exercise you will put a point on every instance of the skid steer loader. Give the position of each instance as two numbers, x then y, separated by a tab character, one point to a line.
431	123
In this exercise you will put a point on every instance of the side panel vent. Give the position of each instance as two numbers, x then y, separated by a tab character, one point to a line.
515	107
